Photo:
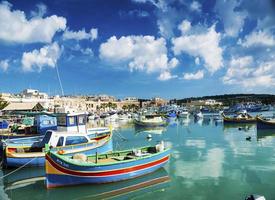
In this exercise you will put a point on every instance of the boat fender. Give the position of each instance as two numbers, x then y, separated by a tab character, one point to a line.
61	152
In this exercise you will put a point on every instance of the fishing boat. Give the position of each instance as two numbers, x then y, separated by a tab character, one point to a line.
31	153
150	120
31	127
4	124
265	123
64	170
242	117
183	113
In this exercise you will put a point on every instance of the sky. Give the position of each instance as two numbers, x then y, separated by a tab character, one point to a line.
143	48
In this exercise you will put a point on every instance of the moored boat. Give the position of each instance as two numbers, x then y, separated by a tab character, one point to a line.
150	121
265	123
240	118
32	153
116	166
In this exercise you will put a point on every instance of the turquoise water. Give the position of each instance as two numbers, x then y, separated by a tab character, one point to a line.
209	161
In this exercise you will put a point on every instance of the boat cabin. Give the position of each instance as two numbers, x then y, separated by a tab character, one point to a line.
72	122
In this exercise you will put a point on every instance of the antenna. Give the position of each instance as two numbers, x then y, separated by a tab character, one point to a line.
59	80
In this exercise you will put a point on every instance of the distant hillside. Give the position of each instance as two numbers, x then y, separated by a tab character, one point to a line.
231	99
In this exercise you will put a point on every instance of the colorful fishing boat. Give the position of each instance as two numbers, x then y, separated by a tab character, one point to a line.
240	118
64	170
31	153
265	123
150	120
31	127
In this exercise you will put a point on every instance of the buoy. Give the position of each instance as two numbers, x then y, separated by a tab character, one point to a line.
255	197
248	138
149	136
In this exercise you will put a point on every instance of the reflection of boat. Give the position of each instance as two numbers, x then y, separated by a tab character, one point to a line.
261	133
22	174
240	118
128	189
265	123
18	154
116	166
150	120
239	126
150	130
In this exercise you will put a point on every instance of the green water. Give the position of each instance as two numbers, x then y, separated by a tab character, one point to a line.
208	161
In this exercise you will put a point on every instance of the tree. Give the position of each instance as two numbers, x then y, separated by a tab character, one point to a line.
3	103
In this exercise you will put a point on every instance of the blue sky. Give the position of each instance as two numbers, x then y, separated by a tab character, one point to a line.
144	48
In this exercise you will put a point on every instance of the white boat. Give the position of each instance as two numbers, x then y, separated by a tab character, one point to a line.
198	115
150	120
183	113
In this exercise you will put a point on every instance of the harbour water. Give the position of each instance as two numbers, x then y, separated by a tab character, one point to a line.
209	160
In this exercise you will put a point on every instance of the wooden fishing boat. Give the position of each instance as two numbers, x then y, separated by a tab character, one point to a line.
150	121
64	170
31	153
240	118
265	123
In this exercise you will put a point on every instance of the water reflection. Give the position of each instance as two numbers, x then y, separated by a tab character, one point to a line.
128	189
265	133
149	130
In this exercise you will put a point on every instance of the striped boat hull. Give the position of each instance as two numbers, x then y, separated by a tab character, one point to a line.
39	158
60	173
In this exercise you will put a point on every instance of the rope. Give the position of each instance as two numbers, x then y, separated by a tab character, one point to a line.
120	136
17	169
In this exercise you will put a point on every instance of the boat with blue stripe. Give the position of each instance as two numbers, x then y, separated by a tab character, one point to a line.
64	170
32	153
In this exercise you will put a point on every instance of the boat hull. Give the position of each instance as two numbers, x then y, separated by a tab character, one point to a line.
38	159
263	124
60	173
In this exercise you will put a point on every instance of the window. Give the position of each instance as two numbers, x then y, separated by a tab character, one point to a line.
61	121
81	120
71	121
60	142
70	140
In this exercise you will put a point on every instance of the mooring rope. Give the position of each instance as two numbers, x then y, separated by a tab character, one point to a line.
17	169
120	136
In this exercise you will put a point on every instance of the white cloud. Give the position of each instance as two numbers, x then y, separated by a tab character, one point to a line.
166	75
209	165
195	6
15	27
37	59
258	38
197	61
80	35
204	44
4	64
247	73
232	19
41	10
143	53
194	76
184	26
